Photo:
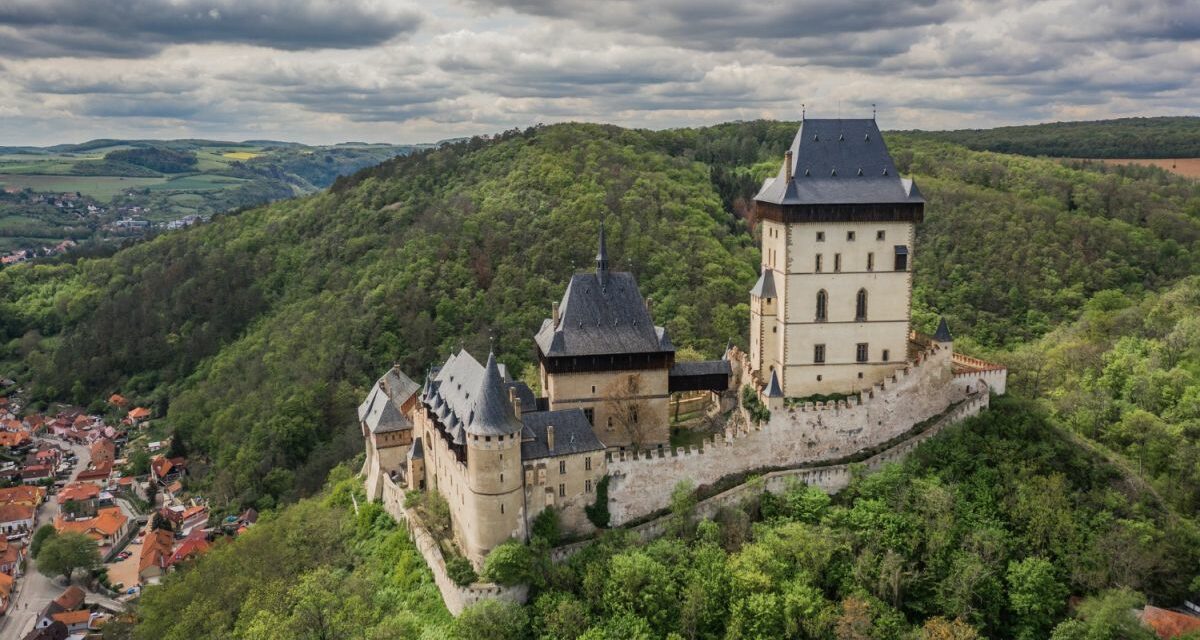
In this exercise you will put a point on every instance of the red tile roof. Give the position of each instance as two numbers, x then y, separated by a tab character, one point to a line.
117	400
16	512
70	599
139	413
1169	624
78	491
22	494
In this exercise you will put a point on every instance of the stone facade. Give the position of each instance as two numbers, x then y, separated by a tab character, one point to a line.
601	395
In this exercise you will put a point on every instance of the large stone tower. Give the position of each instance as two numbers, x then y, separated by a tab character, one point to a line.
831	311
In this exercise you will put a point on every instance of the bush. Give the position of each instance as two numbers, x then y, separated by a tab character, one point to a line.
39	537
546	527
493	620
509	564
758	411
460	570
598	512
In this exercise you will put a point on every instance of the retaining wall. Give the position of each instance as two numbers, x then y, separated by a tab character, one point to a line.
456	598
796	435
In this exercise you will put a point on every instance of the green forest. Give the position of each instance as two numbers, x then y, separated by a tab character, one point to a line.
1161	137
257	335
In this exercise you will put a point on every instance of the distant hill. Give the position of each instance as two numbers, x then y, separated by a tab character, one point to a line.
160	181
1164	137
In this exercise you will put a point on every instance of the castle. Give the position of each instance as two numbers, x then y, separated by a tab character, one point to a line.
831	355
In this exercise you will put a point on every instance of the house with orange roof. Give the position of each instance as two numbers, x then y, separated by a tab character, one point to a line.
138	415
97	473
194	546
103	451
1168	624
12	439
27	495
106	527
156	554
75	621
16	518
163	469
11	556
6	589
78	492
117	400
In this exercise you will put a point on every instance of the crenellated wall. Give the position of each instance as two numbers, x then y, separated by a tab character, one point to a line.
641	484
456	598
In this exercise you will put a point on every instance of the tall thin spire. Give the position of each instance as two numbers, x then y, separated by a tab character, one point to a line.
602	253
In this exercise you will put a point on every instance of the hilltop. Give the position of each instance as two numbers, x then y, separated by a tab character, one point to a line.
1162	137
258	340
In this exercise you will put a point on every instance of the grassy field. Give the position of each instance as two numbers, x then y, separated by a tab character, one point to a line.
1187	167
196	182
241	155
102	188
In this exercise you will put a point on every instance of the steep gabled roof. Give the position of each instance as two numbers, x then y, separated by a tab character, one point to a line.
773	388
943	332
602	314
472	397
381	410
839	162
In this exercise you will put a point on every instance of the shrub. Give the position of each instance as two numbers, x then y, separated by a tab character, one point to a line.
39	537
546	527
509	564
598	512
460	570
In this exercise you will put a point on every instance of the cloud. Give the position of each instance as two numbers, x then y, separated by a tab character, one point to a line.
138	28
320	71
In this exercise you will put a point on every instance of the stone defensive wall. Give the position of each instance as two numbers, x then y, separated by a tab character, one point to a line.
796	435
456	598
832	478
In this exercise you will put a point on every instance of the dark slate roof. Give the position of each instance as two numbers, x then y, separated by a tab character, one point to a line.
839	162
572	434
943	332
381	410
765	287
773	390
472	397
602	313
706	368
524	394
417	451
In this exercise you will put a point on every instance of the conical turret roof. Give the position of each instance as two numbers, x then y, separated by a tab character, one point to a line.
943	332
492	414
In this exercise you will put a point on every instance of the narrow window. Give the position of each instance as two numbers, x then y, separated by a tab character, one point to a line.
880	235
837	262
901	258
593	389
502	478
818	263
860	306
587	462
501	507
886	353
818	378
822	305
562	467
819	354
849	236
590	414
587	486
870	262
861	356
562	490
633	413
820	236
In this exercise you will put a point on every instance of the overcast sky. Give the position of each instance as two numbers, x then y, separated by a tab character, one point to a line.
325	71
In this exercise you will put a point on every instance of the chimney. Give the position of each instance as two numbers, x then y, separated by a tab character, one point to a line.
554	313
515	401
550	437
787	165
649	304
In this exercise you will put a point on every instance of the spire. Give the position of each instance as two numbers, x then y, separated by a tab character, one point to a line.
773	389
493	414
943	332
602	253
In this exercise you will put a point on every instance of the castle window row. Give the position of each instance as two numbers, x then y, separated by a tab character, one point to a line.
880	236
860	306
861	353
819	261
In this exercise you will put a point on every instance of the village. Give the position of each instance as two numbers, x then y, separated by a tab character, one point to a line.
105	478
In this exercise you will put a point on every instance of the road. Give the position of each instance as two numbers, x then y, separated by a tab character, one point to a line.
34	590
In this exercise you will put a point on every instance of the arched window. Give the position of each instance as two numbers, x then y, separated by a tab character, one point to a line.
822	304
860	308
